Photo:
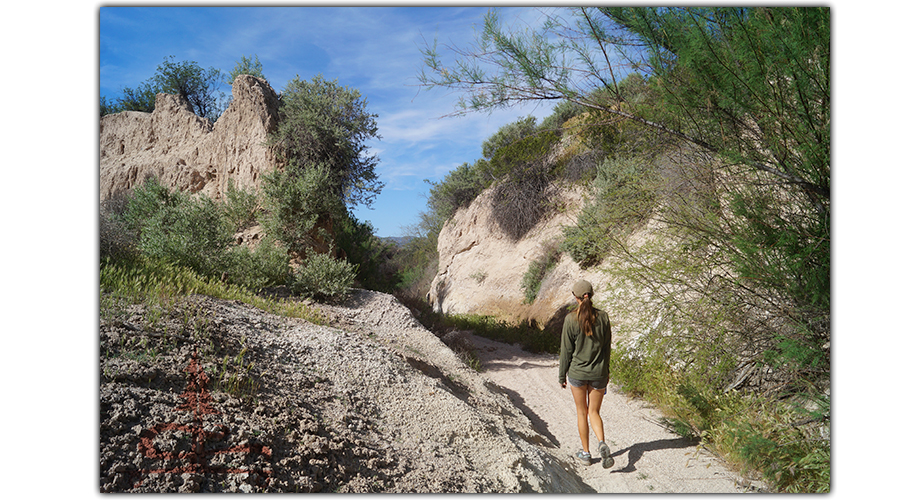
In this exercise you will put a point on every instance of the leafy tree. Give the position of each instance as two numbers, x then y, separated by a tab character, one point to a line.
199	87
324	124
246	66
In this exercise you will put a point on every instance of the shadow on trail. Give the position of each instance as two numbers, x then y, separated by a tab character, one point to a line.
637	450
497	365
537	422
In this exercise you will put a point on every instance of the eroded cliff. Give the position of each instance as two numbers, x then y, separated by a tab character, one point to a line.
187	152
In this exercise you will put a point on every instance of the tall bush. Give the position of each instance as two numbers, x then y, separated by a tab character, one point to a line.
325	125
296	200
199	87
173	227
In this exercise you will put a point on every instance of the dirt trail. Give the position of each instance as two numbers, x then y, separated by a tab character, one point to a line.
649	458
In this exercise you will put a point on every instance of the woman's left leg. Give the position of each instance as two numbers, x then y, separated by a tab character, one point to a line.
581	409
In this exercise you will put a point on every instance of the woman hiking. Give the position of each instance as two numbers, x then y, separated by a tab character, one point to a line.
584	359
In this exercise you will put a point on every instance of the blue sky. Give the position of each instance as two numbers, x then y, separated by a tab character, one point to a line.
375	50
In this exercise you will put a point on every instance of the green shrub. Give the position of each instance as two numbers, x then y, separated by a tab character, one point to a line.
266	265
765	440
194	234
622	196
510	158
508	134
177	228
146	201
295	200
325	277
197	233
241	206
562	112
537	270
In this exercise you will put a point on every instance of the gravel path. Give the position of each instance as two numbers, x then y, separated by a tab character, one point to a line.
649	458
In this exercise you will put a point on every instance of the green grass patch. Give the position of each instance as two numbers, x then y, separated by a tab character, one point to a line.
158	285
763	438
531	339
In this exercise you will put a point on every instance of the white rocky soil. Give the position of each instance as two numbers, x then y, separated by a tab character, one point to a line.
373	402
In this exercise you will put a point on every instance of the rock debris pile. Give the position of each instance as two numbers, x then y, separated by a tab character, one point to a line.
217	396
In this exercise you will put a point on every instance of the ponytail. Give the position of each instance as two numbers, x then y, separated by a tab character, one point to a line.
586	315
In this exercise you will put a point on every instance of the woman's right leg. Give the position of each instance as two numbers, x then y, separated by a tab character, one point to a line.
595	400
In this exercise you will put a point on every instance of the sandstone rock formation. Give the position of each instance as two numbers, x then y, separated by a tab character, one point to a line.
480	269
186	151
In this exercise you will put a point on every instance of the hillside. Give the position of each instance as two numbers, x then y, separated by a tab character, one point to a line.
480	269
377	405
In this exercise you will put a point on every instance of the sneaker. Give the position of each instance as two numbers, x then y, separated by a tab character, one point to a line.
605	458
584	456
